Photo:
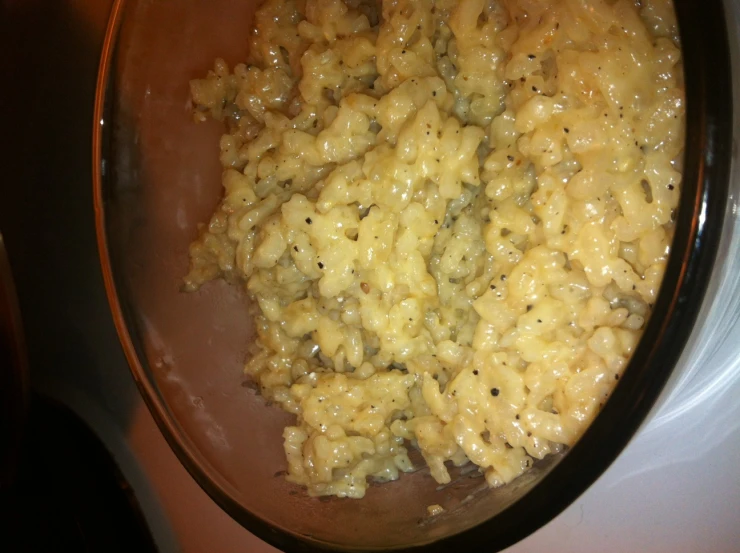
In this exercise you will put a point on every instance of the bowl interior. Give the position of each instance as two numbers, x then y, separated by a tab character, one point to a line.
161	178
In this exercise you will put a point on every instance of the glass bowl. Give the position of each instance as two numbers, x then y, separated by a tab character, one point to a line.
157	175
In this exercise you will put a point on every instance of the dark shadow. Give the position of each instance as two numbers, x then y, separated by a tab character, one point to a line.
50	55
69	494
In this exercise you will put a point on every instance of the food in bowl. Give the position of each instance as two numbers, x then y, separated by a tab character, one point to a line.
453	218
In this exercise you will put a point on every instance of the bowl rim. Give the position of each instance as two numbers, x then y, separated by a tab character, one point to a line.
699	218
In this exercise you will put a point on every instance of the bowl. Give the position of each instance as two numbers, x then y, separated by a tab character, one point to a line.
157	175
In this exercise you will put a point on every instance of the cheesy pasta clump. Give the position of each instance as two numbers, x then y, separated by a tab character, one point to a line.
453	217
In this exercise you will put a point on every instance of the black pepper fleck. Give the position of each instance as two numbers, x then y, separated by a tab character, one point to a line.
308	220
475	372
321	265
495	392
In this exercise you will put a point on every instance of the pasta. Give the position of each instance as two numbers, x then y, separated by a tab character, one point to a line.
453	217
